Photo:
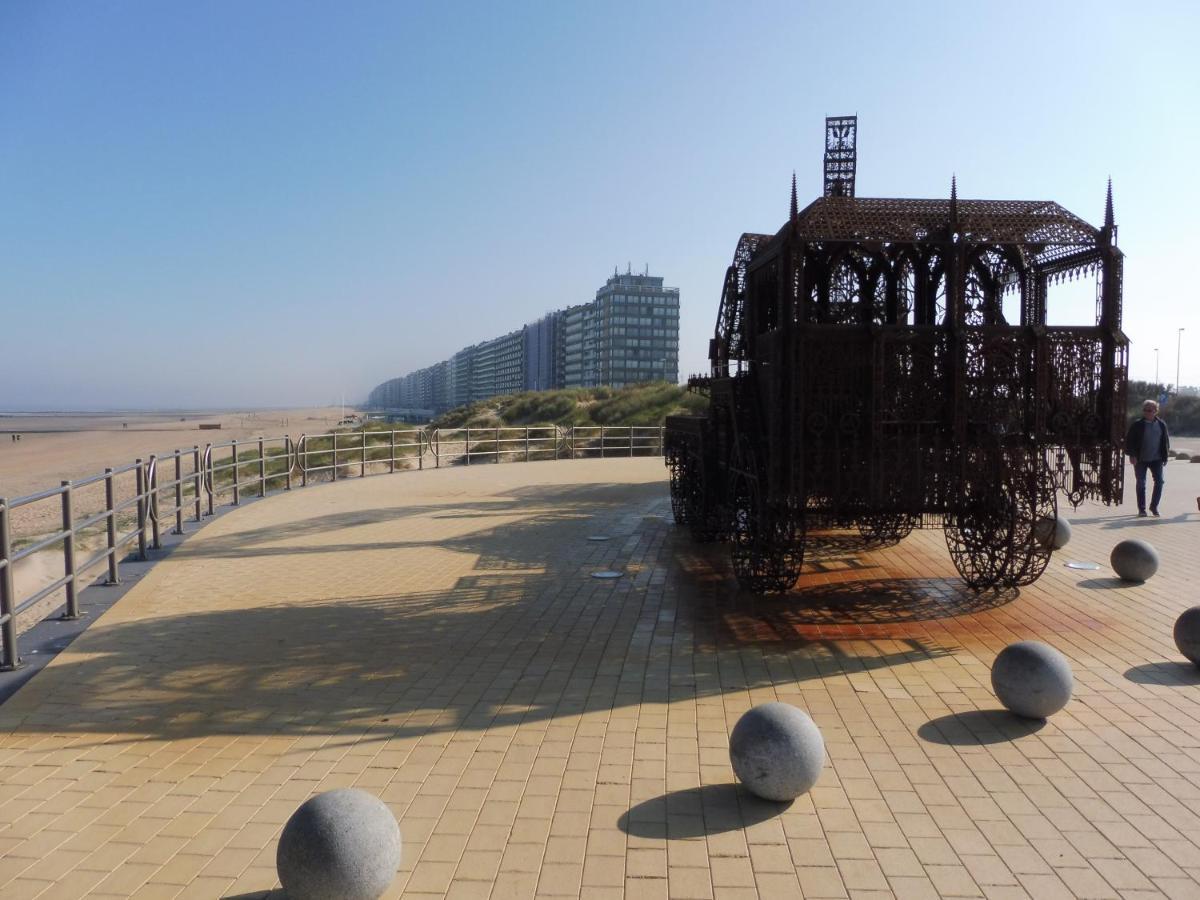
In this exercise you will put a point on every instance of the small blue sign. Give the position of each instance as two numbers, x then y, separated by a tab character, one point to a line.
1162	400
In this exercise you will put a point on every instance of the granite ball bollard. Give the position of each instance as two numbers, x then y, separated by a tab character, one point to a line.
1032	679
340	845
1134	560
1187	634
777	751
1053	532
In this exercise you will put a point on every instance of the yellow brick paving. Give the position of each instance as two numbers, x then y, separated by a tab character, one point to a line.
435	638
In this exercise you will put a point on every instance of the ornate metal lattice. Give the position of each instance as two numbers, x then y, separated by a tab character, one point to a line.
886	364
841	155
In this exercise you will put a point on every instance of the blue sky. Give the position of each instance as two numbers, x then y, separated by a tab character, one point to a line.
270	203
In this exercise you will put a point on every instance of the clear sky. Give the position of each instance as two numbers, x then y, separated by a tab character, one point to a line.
273	203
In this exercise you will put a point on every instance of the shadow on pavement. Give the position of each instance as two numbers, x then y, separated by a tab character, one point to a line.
697	812
978	726
1169	673
1105	584
524	636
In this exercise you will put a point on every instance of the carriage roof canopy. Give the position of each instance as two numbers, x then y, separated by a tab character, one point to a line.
1027	222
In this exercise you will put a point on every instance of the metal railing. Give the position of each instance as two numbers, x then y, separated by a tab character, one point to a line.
128	512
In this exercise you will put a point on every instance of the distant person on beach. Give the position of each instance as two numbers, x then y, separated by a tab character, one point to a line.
1146	444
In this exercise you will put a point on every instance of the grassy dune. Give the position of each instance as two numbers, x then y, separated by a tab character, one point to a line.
639	404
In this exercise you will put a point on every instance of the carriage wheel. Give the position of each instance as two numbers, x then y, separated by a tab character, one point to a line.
680	484
886	528
1036	498
766	540
704	513
991	535
981	531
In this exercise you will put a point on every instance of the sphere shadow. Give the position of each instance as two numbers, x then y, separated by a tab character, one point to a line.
698	812
977	727
1169	673
1106	584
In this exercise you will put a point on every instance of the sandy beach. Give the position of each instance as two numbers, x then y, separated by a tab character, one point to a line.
57	446
54	447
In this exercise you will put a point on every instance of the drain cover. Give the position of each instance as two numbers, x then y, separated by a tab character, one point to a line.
598	537
1088	566
607	573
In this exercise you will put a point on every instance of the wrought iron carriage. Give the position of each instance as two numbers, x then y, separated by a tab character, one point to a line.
886	364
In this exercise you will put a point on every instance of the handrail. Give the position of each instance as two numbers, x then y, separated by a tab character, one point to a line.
445	446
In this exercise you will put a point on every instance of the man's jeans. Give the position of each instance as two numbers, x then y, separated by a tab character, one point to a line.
1156	471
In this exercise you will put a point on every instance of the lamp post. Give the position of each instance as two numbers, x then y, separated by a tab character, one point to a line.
1178	347
1156	383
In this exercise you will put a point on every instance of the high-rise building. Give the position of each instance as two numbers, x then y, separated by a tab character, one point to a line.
628	333
543	353
636	324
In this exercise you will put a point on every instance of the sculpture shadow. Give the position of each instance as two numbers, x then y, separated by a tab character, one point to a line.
276	894
977	727
879	601
1168	673
523	636
698	812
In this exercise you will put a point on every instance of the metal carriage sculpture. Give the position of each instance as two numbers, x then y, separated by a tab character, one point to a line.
886	364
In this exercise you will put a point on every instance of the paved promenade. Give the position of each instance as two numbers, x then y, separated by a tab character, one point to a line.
435	638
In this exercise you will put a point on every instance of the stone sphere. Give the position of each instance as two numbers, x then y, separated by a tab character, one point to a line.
1032	679
1187	634
1134	560
777	751
340	845
1052	532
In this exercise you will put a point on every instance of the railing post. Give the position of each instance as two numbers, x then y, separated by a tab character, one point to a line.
141	508
68	520
334	468
287	457
208	476
602	442
661	438
392	453
198	478
526	443
152	486
468	446
302	453
9	659
437	448
362	470
110	497
237	492
631	440
262	468
178	493
497	445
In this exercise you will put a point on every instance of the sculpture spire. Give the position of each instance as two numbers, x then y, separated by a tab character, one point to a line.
953	203
795	208
1108	207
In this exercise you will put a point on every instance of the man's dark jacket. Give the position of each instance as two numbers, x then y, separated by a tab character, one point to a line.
1133	439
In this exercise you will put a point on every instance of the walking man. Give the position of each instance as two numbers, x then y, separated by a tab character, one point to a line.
1146	444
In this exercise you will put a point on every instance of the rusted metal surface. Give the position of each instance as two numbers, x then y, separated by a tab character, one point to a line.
885	364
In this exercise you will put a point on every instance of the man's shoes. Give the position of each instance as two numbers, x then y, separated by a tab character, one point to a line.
1154	512
1141	514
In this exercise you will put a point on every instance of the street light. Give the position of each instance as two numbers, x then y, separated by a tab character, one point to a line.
1178	347
1156	382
